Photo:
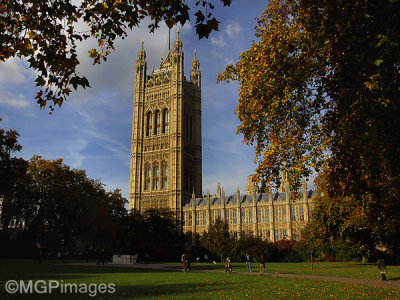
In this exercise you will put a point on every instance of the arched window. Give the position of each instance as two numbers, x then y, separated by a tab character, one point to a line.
156	174
165	126
158	122
149	124
164	174
147	178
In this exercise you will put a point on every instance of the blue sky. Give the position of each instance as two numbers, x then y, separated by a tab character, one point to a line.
92	130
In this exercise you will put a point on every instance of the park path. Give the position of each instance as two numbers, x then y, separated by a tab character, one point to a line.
394	284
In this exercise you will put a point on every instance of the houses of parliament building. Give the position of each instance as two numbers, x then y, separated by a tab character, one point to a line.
166	160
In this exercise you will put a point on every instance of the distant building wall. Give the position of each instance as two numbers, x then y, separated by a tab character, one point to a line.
270	216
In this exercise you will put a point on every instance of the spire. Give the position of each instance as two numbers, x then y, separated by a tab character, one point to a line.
178	43
141	54
304	184
195	62
195	75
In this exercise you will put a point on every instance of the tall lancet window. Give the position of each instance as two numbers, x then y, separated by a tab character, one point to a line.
156	174
158	122
149	124
164	176
147	178
165	126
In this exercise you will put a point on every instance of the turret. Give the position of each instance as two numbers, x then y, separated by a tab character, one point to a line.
141	68
178	46
195	74
177	61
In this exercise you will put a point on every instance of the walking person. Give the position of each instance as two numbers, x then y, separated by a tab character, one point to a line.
184	263
228	266
248	262
382	268
262	264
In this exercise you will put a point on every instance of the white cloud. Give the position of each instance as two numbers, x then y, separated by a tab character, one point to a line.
233	29
231	33
219	42
13	72
16	101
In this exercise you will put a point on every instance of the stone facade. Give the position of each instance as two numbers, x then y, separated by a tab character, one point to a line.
166	160
271	216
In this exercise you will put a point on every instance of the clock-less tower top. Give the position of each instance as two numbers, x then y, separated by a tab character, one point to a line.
166	155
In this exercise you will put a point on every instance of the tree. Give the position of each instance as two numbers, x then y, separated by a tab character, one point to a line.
46	34
61	209
311	241
155	231
320	88
13	177
218	239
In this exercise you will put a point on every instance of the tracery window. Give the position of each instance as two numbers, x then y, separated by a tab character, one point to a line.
301	213
158	122
293	213
149	124
147	178
164	174
284	214
156	174
243	216
165	126
275	214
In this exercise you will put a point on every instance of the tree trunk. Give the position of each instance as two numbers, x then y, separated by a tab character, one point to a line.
312	260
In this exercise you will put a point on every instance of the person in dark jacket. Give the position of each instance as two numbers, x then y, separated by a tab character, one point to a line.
248	262
382	268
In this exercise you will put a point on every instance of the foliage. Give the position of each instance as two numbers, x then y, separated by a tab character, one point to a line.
218	239
342	250
286	251
155	231
47	33
367	219
13	176
319	88
255	247
55	207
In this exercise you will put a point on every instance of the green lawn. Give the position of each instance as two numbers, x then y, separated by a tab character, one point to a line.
335	269
164	284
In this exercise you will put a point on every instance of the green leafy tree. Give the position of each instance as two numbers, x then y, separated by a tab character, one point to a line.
321	88
311	241
218	239
14	181
155	231
62	208
45	33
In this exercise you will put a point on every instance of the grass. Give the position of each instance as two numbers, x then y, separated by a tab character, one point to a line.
134	283
334	269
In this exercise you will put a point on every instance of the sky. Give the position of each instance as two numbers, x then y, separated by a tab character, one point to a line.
92	130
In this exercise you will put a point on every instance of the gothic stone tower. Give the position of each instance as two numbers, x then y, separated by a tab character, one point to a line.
166	133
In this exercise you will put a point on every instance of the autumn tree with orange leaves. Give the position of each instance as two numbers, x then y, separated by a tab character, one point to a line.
320	90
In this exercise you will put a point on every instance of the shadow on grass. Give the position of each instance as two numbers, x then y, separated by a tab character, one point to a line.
175	290
394	279
35	271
